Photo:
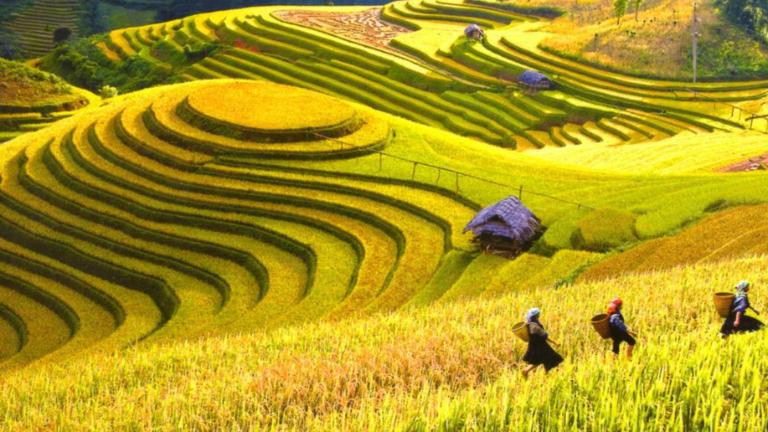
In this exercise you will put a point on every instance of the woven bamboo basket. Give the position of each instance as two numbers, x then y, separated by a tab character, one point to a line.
723	302
600	324
521	330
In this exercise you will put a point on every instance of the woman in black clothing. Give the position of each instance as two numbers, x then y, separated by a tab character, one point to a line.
737	321
539	352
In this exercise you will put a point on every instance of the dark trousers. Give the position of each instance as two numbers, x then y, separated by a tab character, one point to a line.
618	337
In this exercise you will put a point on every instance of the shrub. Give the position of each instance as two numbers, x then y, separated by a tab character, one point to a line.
107	91
604	229
83	64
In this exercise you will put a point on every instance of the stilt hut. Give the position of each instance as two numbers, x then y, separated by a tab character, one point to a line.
533	80
506	228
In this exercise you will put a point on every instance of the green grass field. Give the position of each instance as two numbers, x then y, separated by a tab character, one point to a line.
277	243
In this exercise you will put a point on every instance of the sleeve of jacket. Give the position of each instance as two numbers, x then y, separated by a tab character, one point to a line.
740	304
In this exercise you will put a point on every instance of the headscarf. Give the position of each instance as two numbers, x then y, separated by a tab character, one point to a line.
532	314
614	306
741	288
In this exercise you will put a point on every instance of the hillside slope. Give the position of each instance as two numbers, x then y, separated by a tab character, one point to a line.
190	210
41	25
30	99
412	59
444	367
656	39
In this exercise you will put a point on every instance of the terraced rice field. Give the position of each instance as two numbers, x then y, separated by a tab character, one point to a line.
15	125
191	210
683	153
410	58
127	218
35	25
725	235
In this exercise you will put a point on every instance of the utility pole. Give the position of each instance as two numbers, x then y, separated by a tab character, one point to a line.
695	36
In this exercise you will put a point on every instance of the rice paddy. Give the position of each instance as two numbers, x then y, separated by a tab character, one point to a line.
447	366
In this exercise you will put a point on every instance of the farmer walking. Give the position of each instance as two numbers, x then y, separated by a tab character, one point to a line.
539	352
737	321
619	331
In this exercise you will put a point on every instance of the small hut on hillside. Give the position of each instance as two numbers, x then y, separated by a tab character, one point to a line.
474	31
533	80
506	228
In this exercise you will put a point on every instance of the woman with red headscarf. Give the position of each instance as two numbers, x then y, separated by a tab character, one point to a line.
619	331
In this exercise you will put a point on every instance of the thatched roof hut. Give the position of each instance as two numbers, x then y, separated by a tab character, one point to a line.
474	31
534	80
507	227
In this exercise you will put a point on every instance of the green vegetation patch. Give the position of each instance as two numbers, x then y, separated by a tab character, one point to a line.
24	89
84	64
604	229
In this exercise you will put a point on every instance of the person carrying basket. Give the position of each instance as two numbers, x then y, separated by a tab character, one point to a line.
737	321
539	352
618	329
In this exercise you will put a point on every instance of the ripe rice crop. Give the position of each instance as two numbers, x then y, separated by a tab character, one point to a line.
727	234
268	107
429	368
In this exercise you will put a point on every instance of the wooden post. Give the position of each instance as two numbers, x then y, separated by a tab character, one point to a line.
381	156
520	193
457	181
413	172
439	171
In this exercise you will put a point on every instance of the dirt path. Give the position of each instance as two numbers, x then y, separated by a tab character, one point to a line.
757	163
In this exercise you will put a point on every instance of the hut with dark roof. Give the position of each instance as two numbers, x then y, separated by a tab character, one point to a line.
474	31
534	80
506	228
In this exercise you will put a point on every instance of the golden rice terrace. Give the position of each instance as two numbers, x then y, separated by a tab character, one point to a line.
156	216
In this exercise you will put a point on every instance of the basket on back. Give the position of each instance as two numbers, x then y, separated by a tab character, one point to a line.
600	324
723	303
521	330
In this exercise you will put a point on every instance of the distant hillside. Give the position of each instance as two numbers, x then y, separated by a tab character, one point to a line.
656	40
37	26
652	40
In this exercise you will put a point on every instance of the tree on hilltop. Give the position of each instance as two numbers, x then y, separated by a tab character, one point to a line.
637	4
619	9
